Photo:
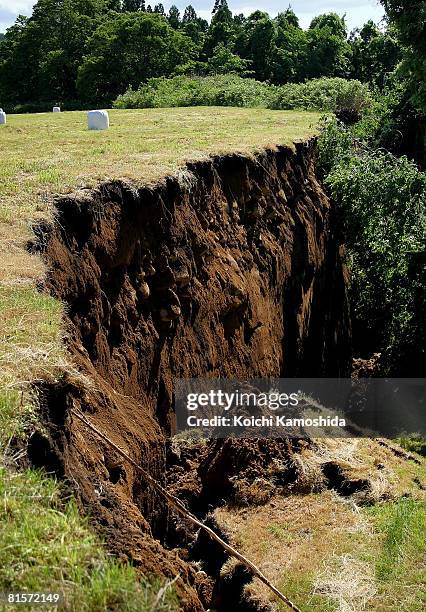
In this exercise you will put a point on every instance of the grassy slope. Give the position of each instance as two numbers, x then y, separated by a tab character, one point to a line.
41	155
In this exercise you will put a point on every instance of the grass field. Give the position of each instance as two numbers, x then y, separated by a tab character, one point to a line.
55	153
44	541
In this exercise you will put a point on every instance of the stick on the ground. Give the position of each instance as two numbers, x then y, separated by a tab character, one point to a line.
181	509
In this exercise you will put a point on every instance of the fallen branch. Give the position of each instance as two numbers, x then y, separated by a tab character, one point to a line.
181	509
161	593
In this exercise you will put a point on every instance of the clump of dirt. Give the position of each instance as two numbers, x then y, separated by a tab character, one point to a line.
236	472
337	479
232	270
366	368
248	471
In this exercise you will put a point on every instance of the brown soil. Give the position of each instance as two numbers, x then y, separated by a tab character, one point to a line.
234	270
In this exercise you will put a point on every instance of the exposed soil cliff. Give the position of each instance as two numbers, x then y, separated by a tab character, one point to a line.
233	269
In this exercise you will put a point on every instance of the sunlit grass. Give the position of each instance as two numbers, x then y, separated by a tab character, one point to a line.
401	560
30	337
45	545
329	553
44	150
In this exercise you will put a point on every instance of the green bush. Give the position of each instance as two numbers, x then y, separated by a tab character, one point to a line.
413	443
326	94
382	200
217	90
233	90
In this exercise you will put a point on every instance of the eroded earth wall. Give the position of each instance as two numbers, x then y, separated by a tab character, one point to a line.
231	269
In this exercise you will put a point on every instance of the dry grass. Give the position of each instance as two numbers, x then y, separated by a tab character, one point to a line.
322	549
289	538
347	581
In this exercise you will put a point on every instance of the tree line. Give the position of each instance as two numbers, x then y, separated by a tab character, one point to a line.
93	50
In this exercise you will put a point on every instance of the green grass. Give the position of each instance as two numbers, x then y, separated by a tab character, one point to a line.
279	531
401	560
45	545
394	547
413	443
299	588
30	347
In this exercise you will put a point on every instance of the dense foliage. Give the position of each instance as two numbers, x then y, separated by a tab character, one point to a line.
328	94
215	90
409	17
93	50
129	49
381	196
382	201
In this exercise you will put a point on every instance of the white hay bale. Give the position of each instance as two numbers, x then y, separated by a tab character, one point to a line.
98	120
56	109
3	117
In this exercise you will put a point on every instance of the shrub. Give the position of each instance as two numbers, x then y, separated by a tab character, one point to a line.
350	98
217	90
382	199
413	443
327	94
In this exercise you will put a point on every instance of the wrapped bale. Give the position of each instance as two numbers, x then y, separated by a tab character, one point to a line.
3	117
98	120
56	109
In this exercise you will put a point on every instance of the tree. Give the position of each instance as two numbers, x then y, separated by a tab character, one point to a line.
189	15
220	5
159	9
332	22
132	6
223	61
222	29
240	19
328	48
142	46
194	26
374	53
260	43
409	16
174	17
113	5
40	55
288	19
289	57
